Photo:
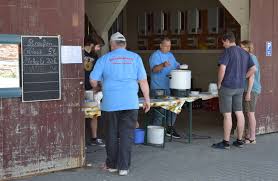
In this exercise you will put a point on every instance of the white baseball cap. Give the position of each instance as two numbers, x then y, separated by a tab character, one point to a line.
117	37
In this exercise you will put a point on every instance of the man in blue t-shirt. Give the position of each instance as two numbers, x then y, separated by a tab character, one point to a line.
235	65
120	71
162	62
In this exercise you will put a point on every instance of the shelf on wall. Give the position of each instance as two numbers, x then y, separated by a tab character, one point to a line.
206	36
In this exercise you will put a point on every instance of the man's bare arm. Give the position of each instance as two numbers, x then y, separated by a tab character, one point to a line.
96	85
144	86
249	87
221	74
159	67
251	71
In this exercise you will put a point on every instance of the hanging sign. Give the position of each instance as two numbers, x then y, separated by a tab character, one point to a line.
268	49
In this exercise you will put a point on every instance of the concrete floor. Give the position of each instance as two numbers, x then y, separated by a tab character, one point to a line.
182	161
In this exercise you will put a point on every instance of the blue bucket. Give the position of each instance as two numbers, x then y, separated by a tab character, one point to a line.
139	135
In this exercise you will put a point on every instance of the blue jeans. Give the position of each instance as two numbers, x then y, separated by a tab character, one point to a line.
158	113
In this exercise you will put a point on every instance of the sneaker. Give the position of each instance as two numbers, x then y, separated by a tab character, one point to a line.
238	143
97	142
173	131
123	172
221	145
112	170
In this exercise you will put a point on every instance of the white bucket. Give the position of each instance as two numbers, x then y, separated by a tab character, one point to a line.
155	135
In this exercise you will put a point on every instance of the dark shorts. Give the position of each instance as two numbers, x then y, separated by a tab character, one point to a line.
250	106
230	100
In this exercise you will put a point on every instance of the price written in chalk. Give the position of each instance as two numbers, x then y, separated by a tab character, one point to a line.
41	68
40	61
39	51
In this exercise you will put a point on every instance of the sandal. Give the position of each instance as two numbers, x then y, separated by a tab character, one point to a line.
248	141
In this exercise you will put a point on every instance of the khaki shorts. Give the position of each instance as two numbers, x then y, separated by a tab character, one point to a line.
230	100
250	106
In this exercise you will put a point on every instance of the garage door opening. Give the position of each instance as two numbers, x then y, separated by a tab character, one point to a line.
195	28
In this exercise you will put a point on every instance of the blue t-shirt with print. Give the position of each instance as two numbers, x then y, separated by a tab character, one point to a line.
237	62
119	70
160	80
257	79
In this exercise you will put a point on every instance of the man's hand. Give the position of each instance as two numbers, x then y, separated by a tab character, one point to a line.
248	96
218	86
95	85
161	66
146	92
146	106
98	88
166	64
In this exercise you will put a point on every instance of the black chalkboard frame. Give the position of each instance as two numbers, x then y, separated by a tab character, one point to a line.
22	67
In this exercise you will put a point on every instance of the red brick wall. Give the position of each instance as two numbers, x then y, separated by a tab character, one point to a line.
43	136
264	27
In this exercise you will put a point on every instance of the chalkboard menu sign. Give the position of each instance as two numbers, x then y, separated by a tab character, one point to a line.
41	79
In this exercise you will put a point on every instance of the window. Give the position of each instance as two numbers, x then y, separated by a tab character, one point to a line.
10	66
118	25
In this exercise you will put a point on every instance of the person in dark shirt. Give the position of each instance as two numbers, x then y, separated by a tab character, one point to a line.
91	47
235	65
